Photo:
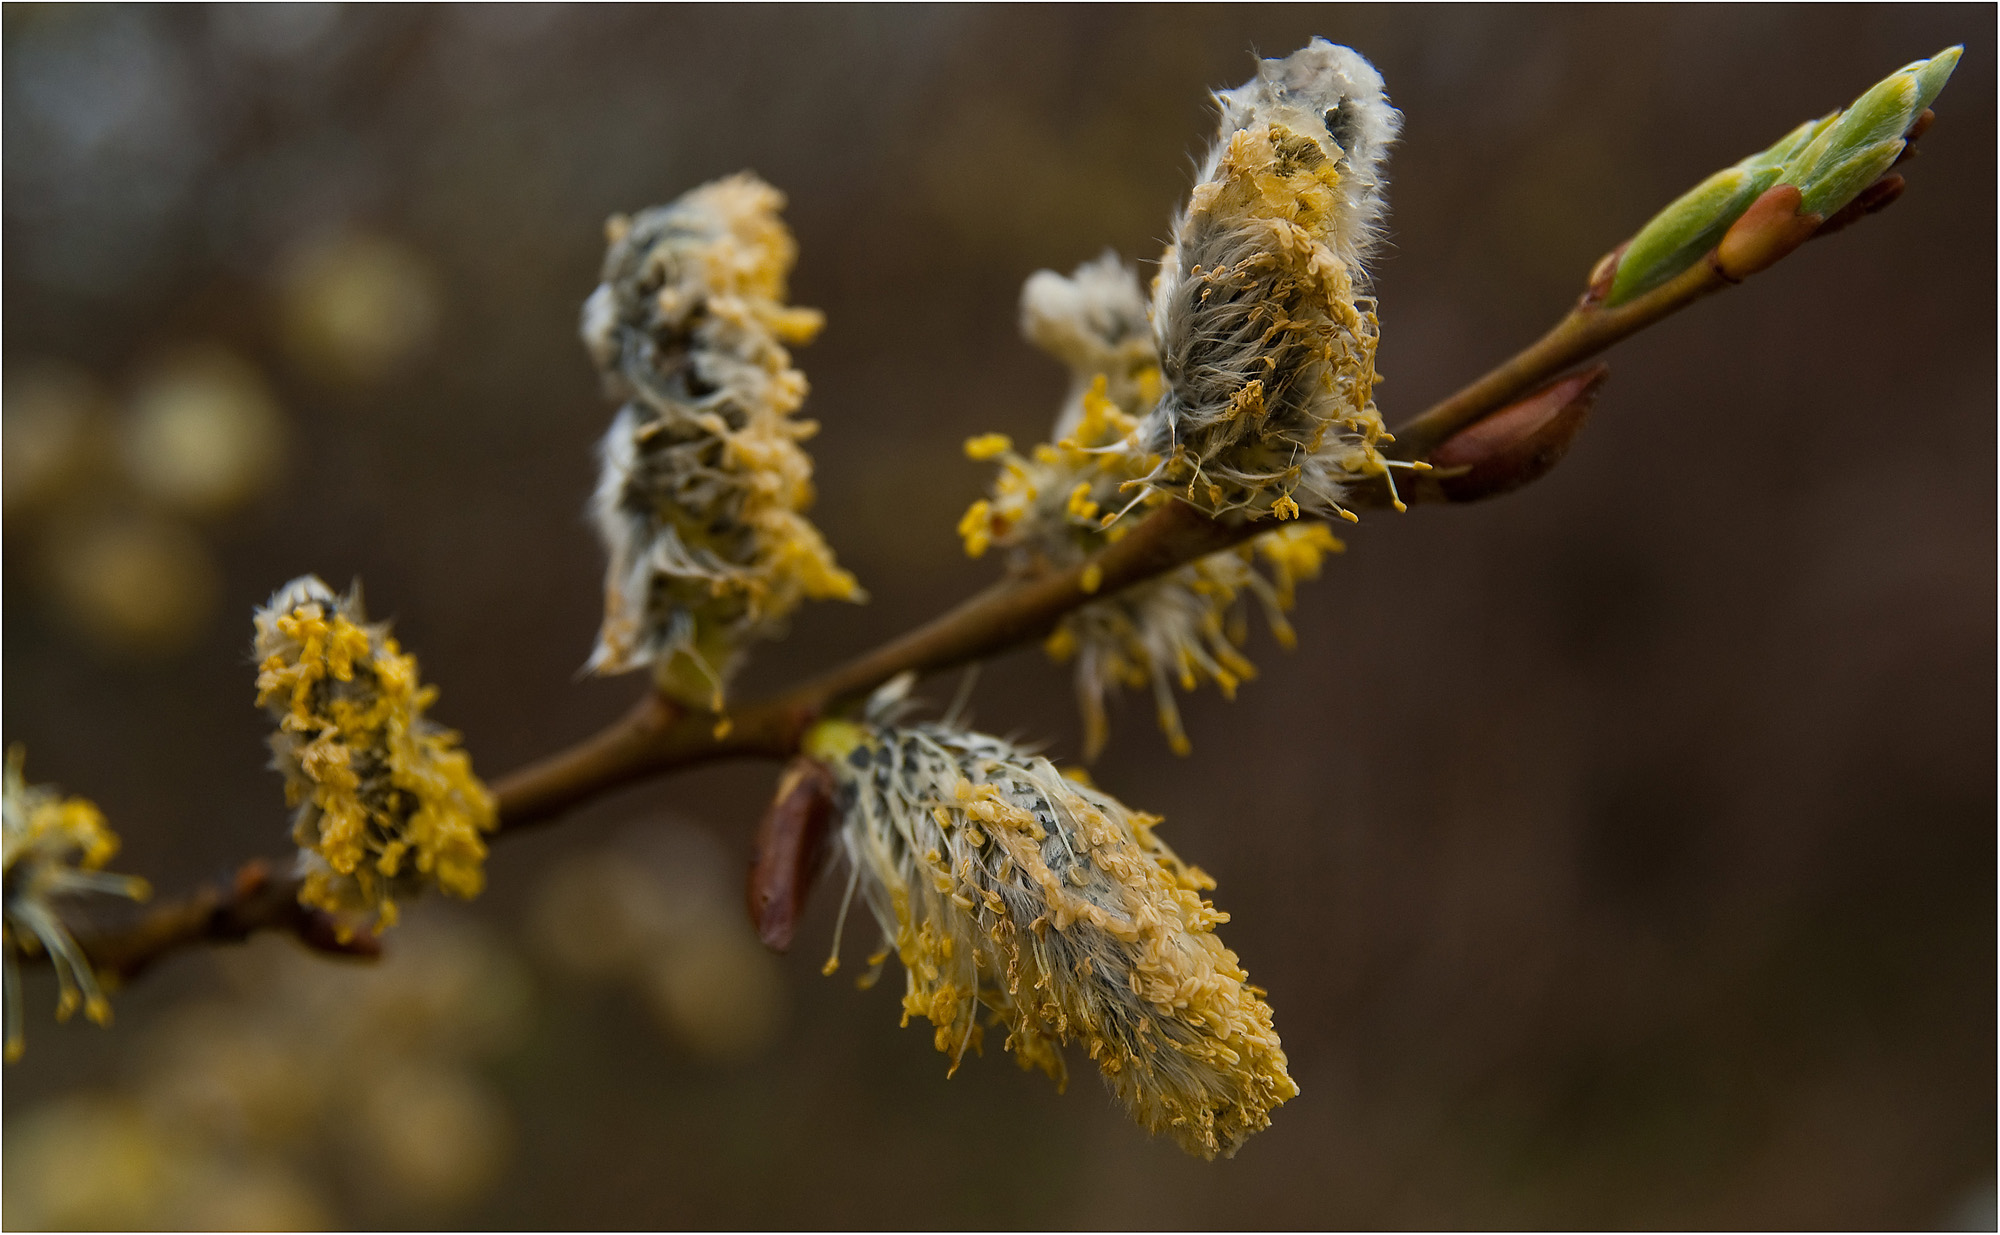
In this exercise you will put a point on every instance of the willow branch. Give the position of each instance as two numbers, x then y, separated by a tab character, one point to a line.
658	736
1589	328
255	899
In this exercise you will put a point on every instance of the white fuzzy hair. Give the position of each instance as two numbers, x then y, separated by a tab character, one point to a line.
1334	94
1261	316
1008	888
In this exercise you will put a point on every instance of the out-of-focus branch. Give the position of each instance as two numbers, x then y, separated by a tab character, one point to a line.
256	899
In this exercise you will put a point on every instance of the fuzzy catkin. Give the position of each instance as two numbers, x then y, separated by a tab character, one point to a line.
1056	505
386	801
1005	886
703	487
52	846
1261	317
1097	322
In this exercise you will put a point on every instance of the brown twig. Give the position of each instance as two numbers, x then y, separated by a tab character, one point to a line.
1769	230
1589	329
658	736
256	899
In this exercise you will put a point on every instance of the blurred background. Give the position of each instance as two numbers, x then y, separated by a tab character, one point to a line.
1619	853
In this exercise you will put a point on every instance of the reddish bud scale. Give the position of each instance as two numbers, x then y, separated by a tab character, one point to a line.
1603	275
791	850
1769	230
1519	443
1873	198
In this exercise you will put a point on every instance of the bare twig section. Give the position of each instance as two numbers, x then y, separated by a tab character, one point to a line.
256	899
1590	328
622	752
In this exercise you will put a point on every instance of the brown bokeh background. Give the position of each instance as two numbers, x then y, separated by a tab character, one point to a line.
1620	852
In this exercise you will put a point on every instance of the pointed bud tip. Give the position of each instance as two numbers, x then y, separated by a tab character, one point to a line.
1932	74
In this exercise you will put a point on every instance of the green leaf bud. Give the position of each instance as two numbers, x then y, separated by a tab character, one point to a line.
1833	187
1688	228
1790	144
1932	74
1883	113
1831	160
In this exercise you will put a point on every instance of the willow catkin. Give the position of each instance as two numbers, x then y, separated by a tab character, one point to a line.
1007	888
703	488
52	846
387	803
1060	502
1261	315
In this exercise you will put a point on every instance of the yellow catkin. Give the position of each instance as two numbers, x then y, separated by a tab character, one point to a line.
988	446
53	846
1261	314
387	803
1058	505
702	496
1011	891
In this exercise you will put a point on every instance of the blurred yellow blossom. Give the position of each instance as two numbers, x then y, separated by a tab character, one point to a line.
52	429
53	846
356	305
702	495
718	990
252	1108
433	1137
106	502
86	1163
132	581
204	432
661	914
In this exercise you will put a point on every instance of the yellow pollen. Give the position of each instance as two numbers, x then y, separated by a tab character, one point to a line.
988	446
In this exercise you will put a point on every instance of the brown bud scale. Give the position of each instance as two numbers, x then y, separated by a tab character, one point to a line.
791	850
1769	230
1518	444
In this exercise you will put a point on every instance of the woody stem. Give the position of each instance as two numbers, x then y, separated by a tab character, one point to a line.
658	736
